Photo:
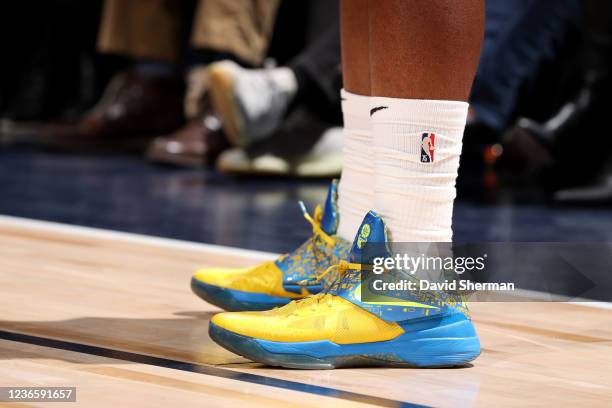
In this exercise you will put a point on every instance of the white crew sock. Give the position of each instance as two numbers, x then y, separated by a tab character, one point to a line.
414	192
356	189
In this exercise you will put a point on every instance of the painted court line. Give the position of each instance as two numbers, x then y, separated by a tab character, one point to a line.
89	232
203	369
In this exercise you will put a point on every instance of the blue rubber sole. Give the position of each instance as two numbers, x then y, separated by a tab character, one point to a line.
235	300
448	342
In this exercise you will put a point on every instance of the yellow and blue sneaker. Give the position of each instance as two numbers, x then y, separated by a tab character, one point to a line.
336	328
292	276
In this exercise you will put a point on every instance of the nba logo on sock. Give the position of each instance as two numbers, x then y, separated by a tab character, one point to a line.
428	147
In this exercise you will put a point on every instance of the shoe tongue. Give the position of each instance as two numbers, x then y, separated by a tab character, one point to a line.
371	242
372	231
329	222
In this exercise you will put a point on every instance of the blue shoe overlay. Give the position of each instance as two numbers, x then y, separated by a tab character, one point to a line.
235	300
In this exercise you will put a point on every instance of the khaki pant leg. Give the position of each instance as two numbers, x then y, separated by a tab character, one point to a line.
240	27
141	28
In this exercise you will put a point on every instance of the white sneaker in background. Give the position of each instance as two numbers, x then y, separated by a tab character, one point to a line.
250	102
323	159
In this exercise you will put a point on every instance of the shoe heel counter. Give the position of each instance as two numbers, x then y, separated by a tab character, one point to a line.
455	325
446	341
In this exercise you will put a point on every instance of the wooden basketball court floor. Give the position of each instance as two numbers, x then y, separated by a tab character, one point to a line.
113	315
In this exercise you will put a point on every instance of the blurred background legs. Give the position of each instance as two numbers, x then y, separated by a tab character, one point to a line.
239	31
525	68
49	67
161	40
583	113
284	119
108	82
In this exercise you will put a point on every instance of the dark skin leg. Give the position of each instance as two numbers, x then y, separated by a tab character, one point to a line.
412	49
354	32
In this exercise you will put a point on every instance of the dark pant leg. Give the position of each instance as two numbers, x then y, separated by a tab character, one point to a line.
318	65
516	54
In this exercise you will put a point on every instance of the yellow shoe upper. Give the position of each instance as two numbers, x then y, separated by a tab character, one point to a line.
292	275
265	278
318	317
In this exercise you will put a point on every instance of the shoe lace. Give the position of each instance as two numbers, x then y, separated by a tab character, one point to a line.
318	234
313	301
342	267
315	221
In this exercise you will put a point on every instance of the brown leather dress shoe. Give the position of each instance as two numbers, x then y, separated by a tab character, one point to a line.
133	110
197	144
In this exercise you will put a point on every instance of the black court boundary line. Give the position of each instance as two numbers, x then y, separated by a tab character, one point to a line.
203	369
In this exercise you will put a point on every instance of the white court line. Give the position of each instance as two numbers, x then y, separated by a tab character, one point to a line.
131	237
217	249
548	297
